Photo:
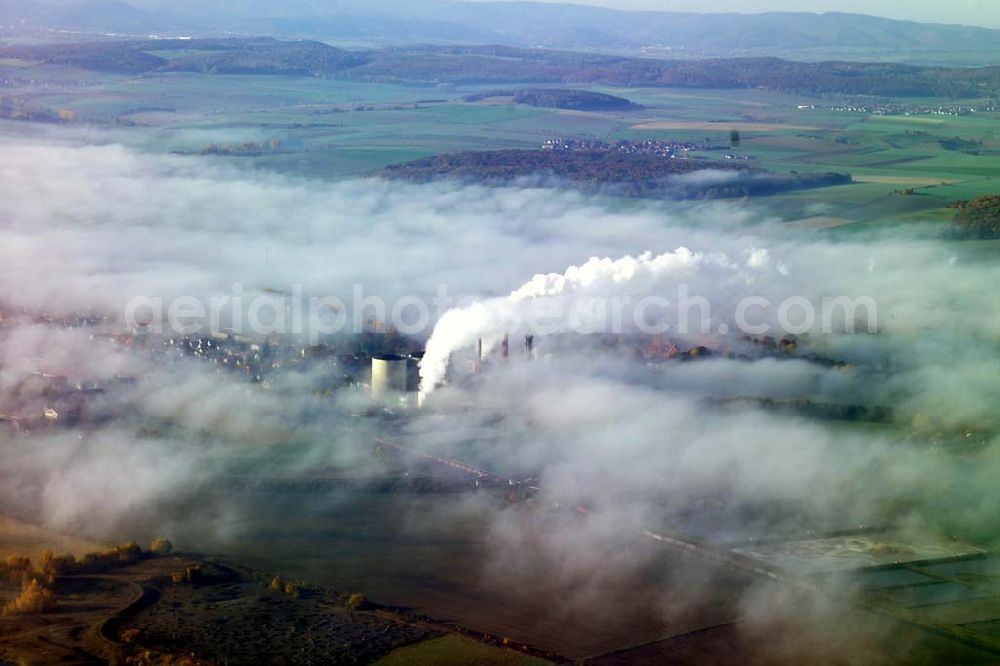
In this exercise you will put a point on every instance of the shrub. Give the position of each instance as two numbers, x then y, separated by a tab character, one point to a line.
56	565
357	601
16	569
122	554
147	657
191	574
126	553
161	547
34	598
288	587
130	635
18	562
45	560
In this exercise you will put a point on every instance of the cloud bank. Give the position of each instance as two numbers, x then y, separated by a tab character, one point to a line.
86	228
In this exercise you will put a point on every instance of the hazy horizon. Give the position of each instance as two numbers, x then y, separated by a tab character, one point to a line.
960	12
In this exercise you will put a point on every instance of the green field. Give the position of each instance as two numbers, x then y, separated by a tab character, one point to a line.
908	168
454	650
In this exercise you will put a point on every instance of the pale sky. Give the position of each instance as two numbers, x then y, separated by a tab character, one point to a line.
969	12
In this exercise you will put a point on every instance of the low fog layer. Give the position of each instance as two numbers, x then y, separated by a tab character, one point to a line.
86	228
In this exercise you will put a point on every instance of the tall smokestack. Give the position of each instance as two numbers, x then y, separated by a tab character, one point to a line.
505	347
479	355
529	347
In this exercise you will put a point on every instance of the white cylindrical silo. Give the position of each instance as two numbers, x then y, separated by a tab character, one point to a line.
389	373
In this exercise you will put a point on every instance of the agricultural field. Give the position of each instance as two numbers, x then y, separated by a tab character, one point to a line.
906	168
454	650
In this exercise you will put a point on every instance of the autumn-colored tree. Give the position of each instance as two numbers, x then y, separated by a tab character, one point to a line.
34	598
161	547
977	219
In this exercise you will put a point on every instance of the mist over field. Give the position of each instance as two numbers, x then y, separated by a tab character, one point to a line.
90	225
86	228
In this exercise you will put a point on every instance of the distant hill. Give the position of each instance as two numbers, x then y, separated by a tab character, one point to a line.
94	16
509	65
289	58
573	26
556	98
499	64
549	25
107	56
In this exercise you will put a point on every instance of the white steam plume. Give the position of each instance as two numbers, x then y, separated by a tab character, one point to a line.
596	279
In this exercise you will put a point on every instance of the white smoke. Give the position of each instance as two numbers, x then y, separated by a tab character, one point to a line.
591	284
